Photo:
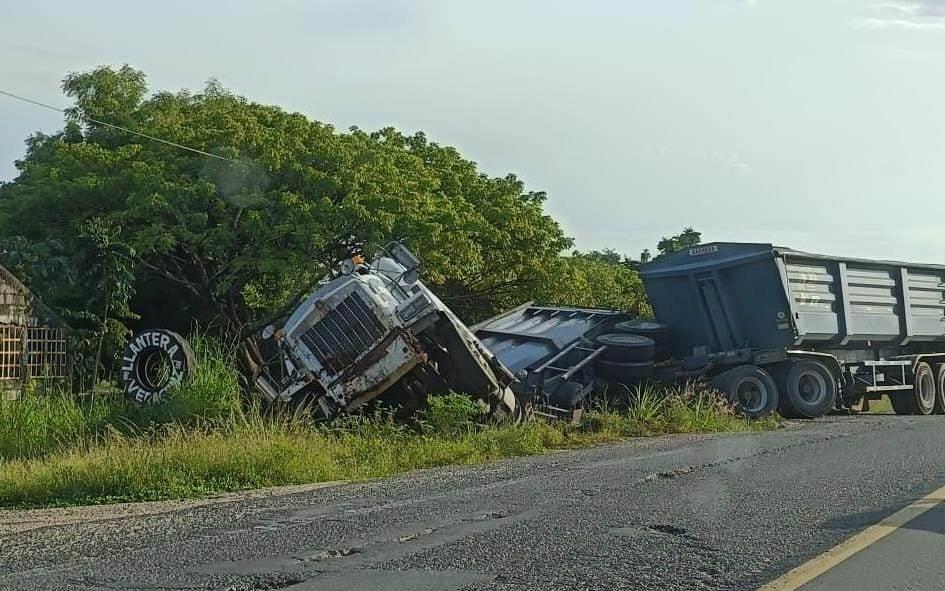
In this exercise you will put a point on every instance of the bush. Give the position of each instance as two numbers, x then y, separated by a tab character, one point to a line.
451	415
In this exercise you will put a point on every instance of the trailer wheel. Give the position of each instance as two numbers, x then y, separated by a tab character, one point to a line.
623	347
807	389
921	399
939	369
750	389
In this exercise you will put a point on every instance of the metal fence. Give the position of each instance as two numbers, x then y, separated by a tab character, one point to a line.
12	342
32	353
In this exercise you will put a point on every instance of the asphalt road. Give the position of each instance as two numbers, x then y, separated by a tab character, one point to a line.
703	512
908	558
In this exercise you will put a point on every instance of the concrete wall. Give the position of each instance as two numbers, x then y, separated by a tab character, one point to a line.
14	299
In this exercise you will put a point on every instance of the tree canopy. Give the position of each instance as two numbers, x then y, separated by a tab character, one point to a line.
685	239
225	242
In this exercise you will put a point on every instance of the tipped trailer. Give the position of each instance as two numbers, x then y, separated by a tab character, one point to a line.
803	333
557	357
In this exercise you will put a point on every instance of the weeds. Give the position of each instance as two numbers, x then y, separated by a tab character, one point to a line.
36	424
58	450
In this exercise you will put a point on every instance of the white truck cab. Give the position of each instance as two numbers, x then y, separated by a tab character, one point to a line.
376	329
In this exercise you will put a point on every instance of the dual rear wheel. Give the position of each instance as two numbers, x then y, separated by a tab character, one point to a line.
809	389
802	388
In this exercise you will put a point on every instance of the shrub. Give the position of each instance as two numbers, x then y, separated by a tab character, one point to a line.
451	415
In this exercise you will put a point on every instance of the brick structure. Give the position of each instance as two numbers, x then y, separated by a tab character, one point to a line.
33	345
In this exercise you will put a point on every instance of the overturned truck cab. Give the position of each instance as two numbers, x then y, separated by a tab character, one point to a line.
374	330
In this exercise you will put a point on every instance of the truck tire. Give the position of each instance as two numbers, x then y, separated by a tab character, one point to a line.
624	373
657	331
153	362
623	347
921	399
807	389
751	390
939	369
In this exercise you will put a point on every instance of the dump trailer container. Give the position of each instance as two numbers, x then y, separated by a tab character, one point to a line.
875	326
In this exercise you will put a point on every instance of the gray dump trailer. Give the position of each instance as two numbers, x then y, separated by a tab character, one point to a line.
806	333
774	328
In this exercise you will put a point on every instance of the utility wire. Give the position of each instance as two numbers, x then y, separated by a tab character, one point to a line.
119	127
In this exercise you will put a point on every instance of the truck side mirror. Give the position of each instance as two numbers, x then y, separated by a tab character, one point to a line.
407	259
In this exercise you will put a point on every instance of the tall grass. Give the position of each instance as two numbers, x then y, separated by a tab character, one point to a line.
36	424
58	450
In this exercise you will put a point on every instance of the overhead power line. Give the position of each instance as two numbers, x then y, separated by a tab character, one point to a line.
119	127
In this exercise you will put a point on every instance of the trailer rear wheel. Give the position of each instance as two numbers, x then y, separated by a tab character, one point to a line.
807	389
750	389
939	369
921	399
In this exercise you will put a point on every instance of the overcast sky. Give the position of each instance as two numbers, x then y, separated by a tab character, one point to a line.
814	124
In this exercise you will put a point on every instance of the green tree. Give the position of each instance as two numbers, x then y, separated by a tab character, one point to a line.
608	255
685	239
587	280
106	265
226	243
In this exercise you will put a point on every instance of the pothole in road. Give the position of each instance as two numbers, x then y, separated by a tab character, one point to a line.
337	553
670	474
660	528
423	532
487	516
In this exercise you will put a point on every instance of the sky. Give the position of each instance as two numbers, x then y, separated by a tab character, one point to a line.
814	124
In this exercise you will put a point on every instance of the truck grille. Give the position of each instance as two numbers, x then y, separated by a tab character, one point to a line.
344	334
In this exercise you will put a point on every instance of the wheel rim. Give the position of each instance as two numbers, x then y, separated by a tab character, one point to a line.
811	387
751	395
926	388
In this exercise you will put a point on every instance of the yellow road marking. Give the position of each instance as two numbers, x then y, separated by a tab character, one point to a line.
831	558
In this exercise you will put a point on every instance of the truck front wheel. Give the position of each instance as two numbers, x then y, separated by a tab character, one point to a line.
808	389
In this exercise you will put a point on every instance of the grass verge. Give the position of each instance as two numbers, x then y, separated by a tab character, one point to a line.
59	451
